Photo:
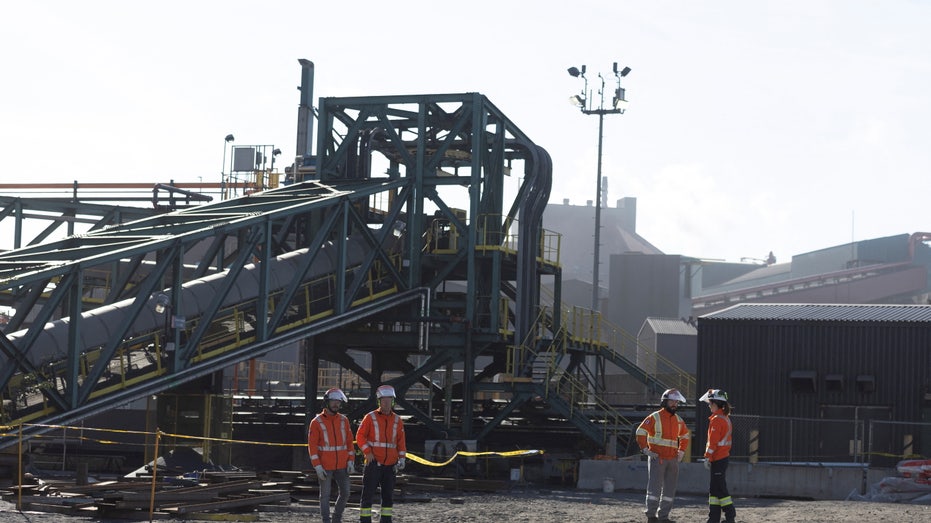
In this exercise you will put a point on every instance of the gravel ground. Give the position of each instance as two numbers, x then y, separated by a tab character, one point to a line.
559	506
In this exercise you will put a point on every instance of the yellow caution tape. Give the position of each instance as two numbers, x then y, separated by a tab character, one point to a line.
508	454
412	457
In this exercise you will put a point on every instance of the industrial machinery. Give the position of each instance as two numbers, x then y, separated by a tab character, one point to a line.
394	252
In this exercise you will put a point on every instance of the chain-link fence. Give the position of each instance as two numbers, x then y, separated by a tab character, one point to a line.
891	441
806	440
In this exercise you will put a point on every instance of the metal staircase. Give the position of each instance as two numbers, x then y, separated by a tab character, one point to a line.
553	360
590	331
571	396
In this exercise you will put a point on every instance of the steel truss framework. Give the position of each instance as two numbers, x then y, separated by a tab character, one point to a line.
350	258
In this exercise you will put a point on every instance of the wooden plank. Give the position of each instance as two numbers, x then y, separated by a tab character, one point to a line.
194	493
50	508
56	500
221	516
230	504
130	515
105	486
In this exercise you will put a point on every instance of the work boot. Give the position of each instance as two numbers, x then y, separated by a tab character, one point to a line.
652	519
666	520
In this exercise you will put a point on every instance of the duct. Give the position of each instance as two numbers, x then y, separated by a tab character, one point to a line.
366	146
539	180
98	326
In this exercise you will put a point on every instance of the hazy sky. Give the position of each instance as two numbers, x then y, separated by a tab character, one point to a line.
756	126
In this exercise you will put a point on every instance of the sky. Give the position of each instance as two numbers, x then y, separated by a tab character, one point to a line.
752	127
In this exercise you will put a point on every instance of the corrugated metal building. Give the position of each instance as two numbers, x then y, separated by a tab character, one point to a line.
830	362
891	270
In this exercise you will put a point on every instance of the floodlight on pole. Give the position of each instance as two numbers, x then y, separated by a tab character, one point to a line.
162	302
618	106
172	339
228	139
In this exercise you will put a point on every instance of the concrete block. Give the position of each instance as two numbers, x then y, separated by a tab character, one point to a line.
815	481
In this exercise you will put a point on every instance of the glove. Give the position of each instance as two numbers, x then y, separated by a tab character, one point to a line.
321	474
708	464
351	467
650	454
369	458
399	466
680	455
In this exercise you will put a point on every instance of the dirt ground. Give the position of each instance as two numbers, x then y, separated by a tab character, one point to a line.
556	506
559	506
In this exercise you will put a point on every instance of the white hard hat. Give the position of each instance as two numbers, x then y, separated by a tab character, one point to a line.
673	394
335	394
714	395
385	391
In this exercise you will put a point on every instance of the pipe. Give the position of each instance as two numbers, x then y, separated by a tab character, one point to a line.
423	341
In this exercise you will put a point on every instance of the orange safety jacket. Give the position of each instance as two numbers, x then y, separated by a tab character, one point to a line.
663	433
329	441
719	437
382	435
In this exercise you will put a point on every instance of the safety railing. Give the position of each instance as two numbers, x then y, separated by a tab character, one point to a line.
578	394
621	342
95	286
523	359
441	237
495	233
589	328
283	378
521	355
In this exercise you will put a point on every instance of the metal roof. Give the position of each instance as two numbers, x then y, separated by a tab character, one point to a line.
824	312
671	326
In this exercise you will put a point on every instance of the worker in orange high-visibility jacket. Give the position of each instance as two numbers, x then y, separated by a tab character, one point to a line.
332	455
663	437
717	453
382	441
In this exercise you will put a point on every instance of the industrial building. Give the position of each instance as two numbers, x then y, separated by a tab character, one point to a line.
363	266
650	292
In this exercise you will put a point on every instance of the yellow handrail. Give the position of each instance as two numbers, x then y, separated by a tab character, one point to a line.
565	384
590	327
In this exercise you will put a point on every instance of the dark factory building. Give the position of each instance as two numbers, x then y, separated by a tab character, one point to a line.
832	369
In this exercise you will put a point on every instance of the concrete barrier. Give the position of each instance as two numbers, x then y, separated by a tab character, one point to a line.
814	481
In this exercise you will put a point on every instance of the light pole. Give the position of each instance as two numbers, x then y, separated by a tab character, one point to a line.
585	103
229	138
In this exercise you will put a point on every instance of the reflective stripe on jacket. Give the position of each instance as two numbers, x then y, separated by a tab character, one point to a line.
329	441
663	433
383	436
719	437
